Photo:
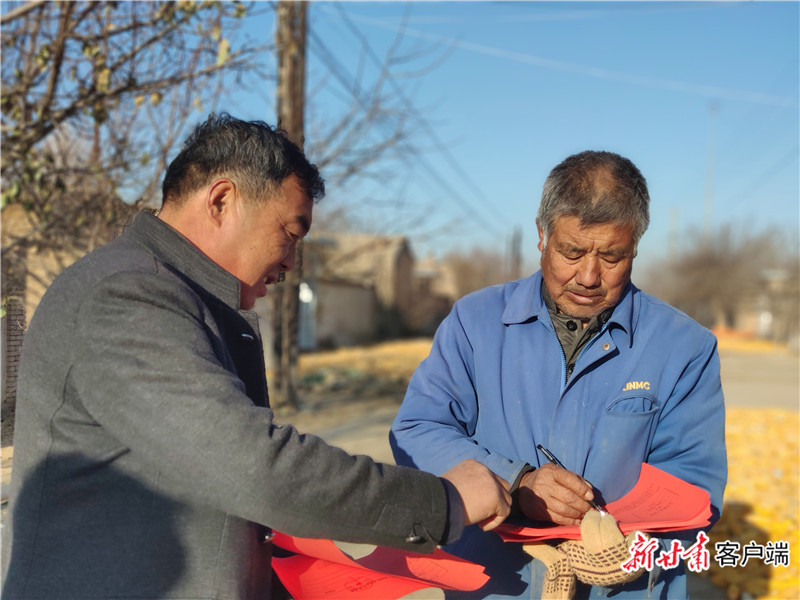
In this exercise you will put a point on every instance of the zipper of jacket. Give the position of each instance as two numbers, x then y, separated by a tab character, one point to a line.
591	342
565	374
564	377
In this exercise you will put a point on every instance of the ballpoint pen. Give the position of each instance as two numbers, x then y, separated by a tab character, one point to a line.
552	458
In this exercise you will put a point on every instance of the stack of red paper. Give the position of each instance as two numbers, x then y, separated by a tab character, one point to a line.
320	570
658	502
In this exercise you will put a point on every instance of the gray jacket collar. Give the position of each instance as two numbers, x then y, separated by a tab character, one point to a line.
174	250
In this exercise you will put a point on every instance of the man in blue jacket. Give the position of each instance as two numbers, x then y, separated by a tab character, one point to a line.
579	360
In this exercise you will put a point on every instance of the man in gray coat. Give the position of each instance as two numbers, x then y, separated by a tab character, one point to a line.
147	464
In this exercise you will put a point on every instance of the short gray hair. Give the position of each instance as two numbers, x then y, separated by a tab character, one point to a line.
598	188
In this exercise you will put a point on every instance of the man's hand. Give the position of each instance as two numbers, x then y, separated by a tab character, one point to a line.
551	493
484	495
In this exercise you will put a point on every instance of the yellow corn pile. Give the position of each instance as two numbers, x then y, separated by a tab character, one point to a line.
761	502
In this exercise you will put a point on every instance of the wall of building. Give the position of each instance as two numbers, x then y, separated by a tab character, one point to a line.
345	314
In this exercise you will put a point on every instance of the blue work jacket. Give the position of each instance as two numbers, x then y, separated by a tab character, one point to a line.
646	388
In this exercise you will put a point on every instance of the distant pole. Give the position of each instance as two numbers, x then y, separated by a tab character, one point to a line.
515	254
672	241
290	39
709	196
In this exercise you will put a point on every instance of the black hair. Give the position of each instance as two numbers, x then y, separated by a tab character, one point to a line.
257	156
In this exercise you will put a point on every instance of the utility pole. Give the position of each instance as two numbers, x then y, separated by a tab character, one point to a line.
515	254
711	158
672	239
290	40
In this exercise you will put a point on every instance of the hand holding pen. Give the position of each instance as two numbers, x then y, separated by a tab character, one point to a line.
551	457
552	493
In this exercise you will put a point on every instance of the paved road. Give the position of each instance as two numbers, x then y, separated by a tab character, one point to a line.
749	380
761	379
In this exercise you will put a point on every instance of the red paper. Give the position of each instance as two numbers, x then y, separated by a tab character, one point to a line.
309	578
658	502
321	570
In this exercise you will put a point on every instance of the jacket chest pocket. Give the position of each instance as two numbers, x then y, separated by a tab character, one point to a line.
620	443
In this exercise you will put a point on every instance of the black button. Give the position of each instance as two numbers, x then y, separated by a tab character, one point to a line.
414	539
572	325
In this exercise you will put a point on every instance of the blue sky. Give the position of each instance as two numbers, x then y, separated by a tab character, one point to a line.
683	89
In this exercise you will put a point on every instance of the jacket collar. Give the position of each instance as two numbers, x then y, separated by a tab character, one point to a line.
174	250
526	304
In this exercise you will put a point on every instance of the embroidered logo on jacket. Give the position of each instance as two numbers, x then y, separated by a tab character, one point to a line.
636	385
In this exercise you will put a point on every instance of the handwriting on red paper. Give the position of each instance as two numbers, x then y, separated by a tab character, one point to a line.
658	502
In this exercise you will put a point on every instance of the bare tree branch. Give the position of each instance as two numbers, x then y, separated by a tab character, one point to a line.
21	11
124	77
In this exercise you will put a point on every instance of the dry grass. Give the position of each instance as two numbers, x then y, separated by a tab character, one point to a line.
390	360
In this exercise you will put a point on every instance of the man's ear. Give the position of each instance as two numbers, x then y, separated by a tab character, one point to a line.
541	237
220	200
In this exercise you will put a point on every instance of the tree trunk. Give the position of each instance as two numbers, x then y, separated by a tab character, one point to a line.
291	43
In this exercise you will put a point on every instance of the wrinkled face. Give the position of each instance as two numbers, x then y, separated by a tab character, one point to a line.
265	239
586	268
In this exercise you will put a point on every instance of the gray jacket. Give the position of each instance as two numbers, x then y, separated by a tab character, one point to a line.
147	464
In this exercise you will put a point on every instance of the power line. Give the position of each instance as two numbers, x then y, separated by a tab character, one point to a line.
413	110
776	167
338	72
596	72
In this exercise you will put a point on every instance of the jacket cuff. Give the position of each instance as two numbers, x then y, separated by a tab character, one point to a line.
525	469
456	517
503	467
